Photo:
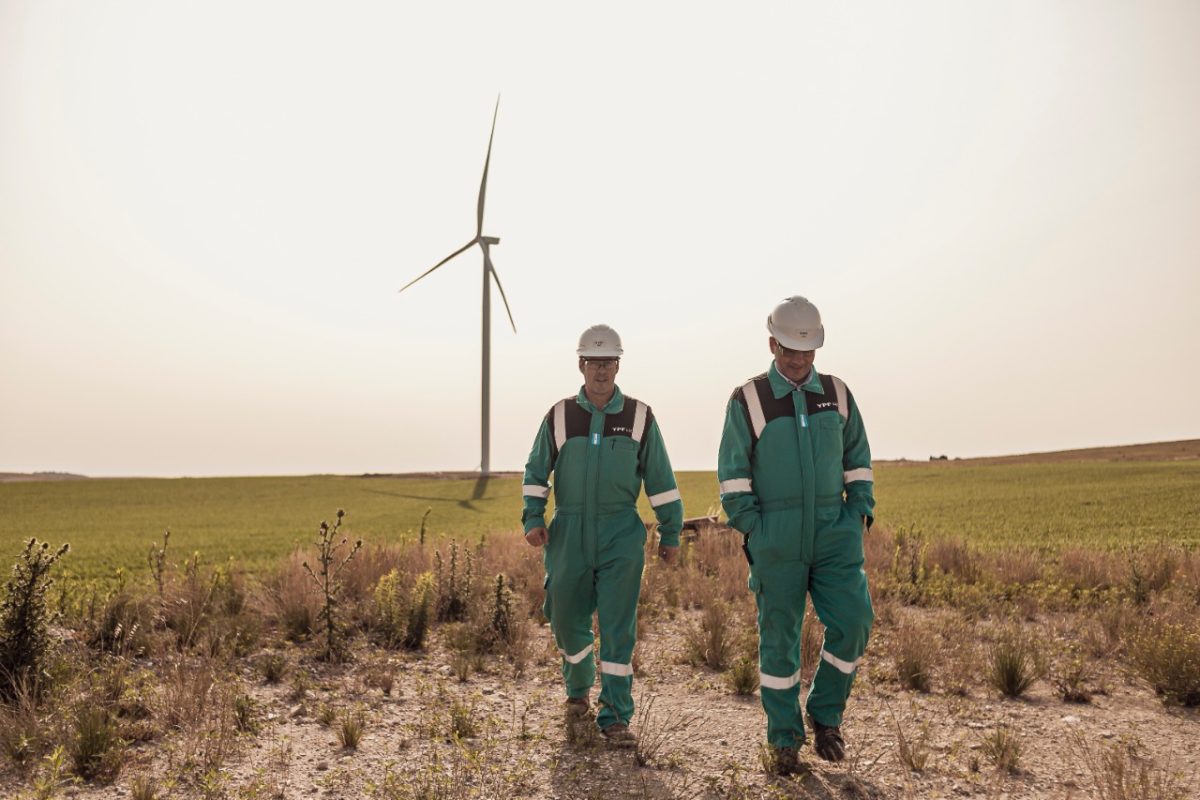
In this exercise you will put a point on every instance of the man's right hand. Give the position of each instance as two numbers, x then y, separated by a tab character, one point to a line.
537	537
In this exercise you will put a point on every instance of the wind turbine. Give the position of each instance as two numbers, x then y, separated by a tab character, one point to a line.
485	243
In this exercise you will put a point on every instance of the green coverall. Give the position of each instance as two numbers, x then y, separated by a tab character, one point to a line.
595	552
795	474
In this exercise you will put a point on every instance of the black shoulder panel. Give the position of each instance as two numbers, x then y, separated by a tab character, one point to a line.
578	419
773	407
621	423
820	403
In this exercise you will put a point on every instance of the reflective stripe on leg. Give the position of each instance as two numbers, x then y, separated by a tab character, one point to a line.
773	682
577	657
847	667
610	668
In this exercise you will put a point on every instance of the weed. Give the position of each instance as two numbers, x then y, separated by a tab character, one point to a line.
914	752
812	636
143	787
420	612
462	721
1013	663
25	616
351	727
913	657
390	616
453	586
712	641
657	731
244	716
1003	748
1071	676
51	777
95	747
288	592
742	677
1165	651
1122	771
326	715
330	564
272	667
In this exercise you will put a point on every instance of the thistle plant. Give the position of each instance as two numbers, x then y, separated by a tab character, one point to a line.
330	565
25	617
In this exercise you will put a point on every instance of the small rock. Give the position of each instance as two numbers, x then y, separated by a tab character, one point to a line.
1070	719
1107	734
322	766
489	690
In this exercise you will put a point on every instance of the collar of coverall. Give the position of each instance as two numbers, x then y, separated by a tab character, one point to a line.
616	403
781	386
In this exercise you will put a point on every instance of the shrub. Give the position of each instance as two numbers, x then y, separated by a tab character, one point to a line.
712	641
419	612
462	721
25	616
1014	663
1166	653
389	619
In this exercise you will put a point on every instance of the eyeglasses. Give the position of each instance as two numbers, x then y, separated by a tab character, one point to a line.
601	363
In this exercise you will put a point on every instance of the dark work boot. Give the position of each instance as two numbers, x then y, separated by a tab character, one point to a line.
828	741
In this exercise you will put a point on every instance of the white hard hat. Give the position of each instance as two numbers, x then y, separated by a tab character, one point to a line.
599	341
796	324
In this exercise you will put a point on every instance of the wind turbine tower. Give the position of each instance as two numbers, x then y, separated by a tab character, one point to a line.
489	274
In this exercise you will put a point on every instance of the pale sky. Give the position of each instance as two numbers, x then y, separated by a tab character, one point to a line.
206	210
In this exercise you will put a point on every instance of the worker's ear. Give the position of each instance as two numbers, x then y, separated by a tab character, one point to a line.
581	363
772	344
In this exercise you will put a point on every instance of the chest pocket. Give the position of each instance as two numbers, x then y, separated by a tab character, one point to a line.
619	481
827	454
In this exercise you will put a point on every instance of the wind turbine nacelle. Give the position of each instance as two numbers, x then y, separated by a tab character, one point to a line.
489	239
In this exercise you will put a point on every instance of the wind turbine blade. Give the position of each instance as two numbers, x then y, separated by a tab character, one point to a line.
435	266
492	270
486	162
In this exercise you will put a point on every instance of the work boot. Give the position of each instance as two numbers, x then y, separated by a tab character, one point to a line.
619	735
785	761
828	741
576	707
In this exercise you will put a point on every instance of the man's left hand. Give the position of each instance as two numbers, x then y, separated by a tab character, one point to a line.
668	554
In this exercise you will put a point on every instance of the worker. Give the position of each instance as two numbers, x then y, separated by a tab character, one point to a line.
795	479
596	449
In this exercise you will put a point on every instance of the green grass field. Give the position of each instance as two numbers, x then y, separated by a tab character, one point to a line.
111	523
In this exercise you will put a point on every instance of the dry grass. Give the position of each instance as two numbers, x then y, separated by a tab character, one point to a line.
1014	661
914	657
1121	770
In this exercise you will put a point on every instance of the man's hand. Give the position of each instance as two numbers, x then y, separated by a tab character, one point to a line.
537	537
668	554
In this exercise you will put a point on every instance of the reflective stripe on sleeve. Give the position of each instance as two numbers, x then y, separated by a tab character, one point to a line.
560	424
736	485
662	498
639	422
843	666
580	656
758	420
861	474
610	668
772	682
533	490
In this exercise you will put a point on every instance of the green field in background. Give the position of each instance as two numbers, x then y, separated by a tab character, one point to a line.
112	523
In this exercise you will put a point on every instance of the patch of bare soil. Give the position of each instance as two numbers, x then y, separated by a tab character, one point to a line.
498	734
